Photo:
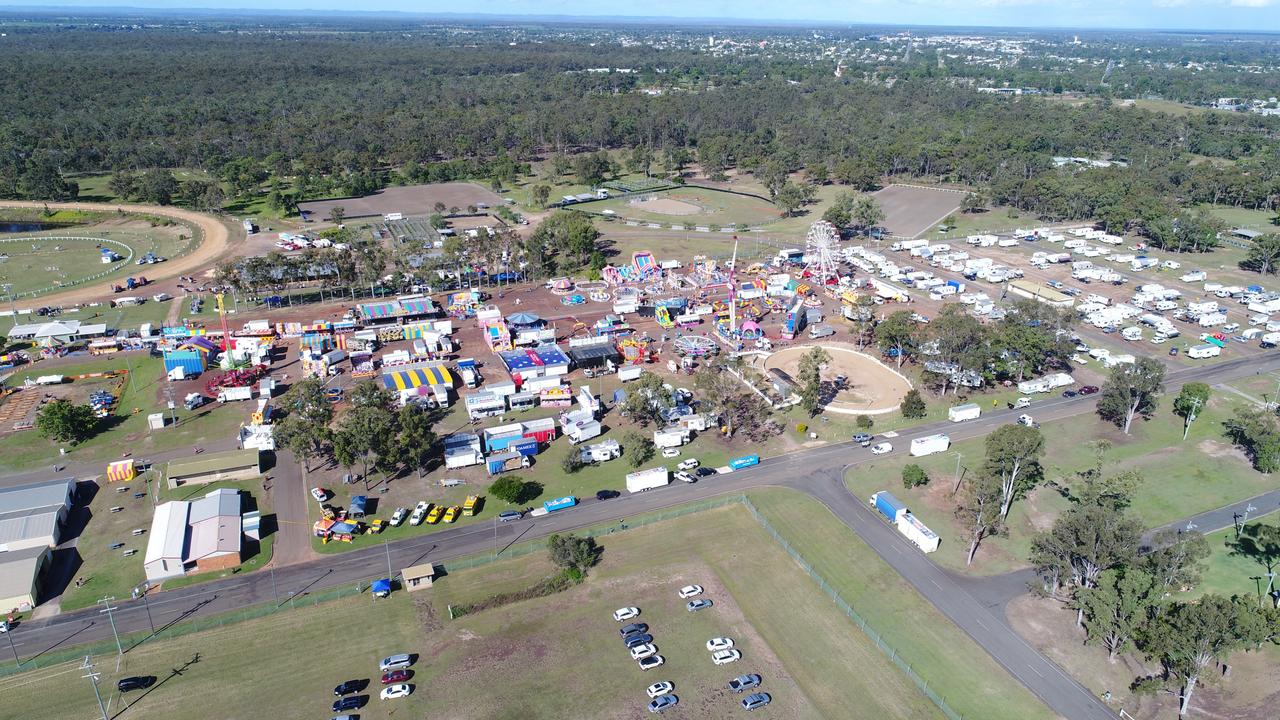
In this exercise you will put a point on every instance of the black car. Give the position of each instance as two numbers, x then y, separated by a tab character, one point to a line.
351	702
636	640
137	682
350	686
705	472
633	629
744	682
607	494
1069	393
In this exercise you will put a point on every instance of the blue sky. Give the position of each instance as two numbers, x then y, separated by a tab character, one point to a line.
1254	15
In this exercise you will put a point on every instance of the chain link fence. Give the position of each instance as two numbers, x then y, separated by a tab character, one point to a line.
853	615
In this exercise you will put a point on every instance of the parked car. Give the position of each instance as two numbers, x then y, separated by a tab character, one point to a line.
1088	389
395	691
397	517
320	494
663	702
881	448
689	464
632	641
689	591
695	605
396	676
744	682
626	613
139	682
433	517
419	512
720	643
651	662
862	439
633	629
758	700
395	662
660	688
1069	393
643	651
607	494
350	702
451	514
1173	350
350	686
508	516
685	477
705	472
724	657
670	452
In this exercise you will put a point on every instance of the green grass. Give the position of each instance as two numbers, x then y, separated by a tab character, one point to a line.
128	429
1170	107
523	660
44	266
109	572
1238	217
1228	574
1180	479
994	220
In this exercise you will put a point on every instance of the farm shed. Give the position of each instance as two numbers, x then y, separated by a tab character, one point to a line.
20	577
32	515
202	469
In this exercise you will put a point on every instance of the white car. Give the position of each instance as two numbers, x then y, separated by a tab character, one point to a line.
670	452
397	517
626	613
685	477
419	512
651	662
4	627
641	652
689	591
724	657
395	691
881	448
689	464
717	644
660	688
319	494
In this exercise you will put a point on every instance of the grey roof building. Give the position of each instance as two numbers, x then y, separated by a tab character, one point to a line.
32	515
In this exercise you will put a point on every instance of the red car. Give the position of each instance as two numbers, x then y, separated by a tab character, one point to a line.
1088	390
395	676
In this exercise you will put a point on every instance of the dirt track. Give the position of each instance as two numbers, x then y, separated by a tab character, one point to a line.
217	238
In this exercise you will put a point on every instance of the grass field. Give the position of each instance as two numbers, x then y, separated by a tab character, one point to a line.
1228	574
40	266
1181	479
1238	217
109	572
714	207
558	656
127	429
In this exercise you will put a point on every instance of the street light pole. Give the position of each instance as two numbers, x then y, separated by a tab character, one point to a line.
16	661
387	546
108	609
146	605
275	593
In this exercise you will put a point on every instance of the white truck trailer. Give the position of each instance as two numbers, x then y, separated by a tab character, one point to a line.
929	445
647	479
960	413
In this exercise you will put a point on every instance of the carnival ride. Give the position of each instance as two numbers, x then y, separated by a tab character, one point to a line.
821	253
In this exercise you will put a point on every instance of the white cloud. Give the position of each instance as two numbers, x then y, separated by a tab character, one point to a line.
1170	3
1252	3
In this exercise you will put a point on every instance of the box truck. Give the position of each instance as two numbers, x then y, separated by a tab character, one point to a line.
670	437
889	506
929	445
235	393
647	479
960	413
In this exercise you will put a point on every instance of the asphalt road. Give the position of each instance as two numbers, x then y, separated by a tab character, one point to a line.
966	601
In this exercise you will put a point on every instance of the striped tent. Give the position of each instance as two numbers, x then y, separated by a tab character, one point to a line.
374	311
121	471
421	306
417	377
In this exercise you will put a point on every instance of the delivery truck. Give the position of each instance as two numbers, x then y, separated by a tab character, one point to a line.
929	445
889	506
235	393
647	479
960	413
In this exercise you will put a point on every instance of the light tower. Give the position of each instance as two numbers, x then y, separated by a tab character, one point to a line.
820	251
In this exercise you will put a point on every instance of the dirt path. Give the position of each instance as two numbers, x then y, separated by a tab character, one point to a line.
217	239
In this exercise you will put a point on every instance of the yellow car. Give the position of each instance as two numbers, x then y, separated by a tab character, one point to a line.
451	514
433	517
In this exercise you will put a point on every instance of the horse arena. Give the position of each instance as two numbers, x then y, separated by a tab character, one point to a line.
872	388
661	205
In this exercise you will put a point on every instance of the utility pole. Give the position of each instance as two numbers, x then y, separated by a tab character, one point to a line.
387	546
275	593
16	661
107	608
143	594
93	678
1191	417
956	489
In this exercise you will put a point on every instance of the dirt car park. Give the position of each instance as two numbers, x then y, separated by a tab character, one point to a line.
407	200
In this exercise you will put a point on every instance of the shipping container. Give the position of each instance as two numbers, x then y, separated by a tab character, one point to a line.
960	413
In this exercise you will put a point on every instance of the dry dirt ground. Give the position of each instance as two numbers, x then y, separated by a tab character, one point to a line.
217	238
1247	692
666	206
409	199
871	387
910	210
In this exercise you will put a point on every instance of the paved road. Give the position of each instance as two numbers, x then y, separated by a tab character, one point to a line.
817	471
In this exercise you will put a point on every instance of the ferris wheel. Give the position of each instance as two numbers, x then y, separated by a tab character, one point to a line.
821	253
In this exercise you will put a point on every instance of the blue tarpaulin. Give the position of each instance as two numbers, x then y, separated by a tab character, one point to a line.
382	587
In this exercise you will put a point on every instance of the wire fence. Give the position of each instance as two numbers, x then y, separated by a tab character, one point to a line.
853	615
